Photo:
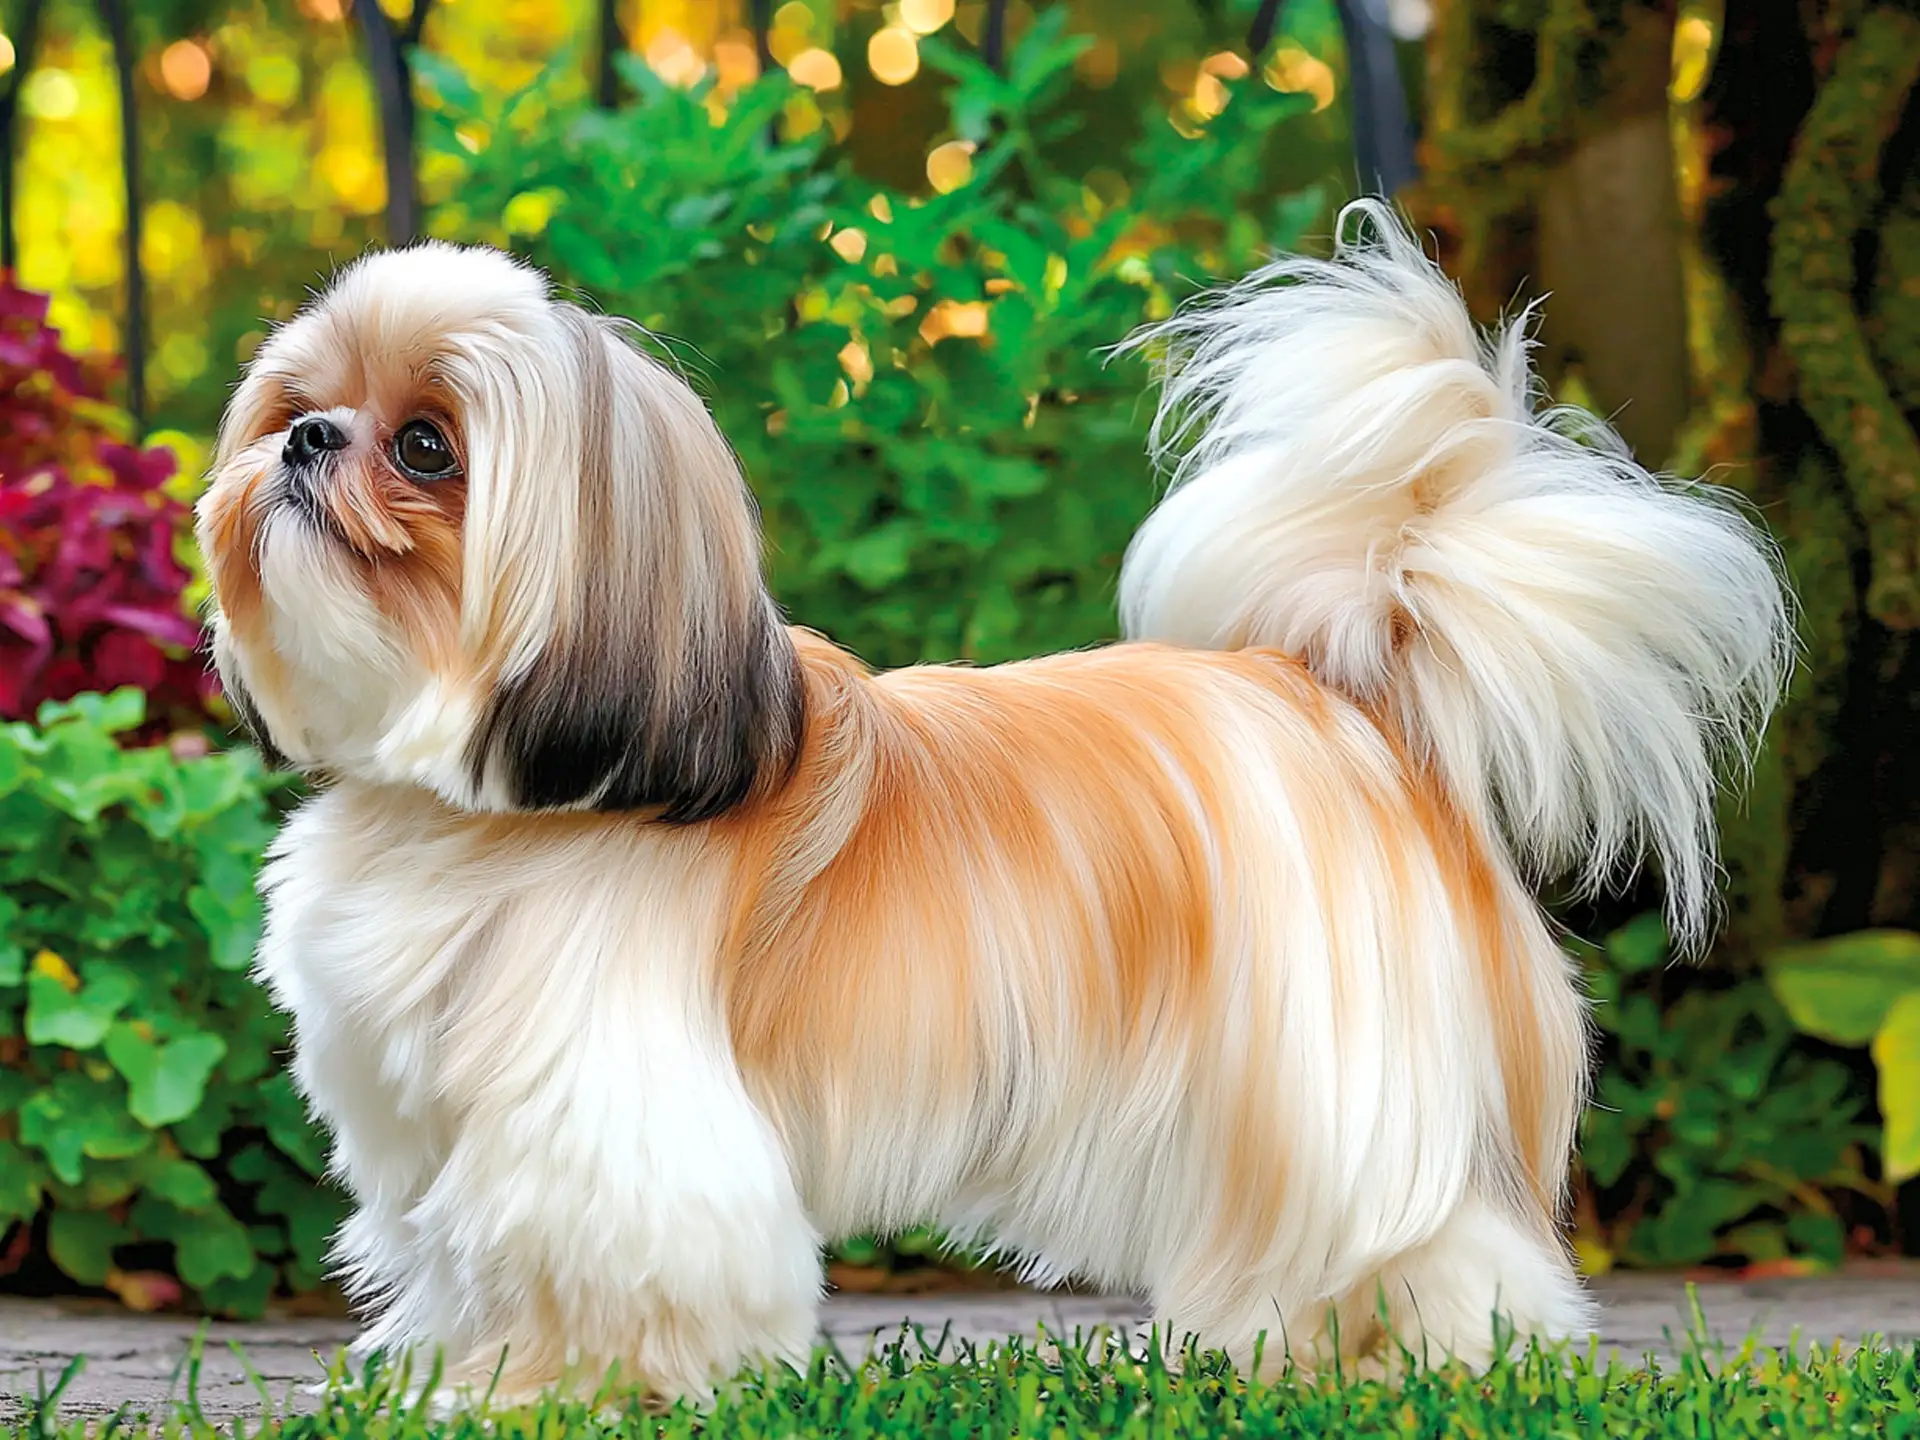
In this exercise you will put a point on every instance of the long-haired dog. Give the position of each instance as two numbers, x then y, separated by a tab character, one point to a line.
635	941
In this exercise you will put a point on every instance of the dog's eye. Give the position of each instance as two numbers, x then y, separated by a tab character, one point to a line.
423	452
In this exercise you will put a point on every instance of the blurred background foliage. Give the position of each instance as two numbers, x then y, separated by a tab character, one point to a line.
888	242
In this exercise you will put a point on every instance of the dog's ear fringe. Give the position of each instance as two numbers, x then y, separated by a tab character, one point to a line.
594	732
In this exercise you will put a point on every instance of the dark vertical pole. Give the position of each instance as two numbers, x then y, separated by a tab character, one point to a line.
613	40
993	43
114	12
762	12
1376	99
393	82
25	41
1260	33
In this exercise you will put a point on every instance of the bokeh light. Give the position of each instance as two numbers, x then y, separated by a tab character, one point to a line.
1209	96
1099	64
1693	41
857	362
736	62
816	69
893	54
923	17
960	319
186	69
791	34
849	244
672	57
1295	72
50	95
950	166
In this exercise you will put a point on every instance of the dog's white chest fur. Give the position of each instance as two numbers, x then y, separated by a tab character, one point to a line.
529	1128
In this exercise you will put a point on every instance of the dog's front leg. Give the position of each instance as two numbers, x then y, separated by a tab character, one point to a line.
616	1200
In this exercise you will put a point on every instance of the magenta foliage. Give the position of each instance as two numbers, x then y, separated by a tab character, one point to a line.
90	590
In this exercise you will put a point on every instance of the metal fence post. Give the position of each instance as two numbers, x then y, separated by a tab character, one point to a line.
993	40
393	80
613	40
1376	100
114	13
25	42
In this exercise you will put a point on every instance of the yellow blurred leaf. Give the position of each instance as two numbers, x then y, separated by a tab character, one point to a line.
1591	1256
55	968
1896	1053
529	212
143	1290
1841	988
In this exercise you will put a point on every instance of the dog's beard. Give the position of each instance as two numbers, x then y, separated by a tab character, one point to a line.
328	635
293	493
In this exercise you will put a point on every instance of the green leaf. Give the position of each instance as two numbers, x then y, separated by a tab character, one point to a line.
13	950
81	1243
15	741
77	1118
212	1246
1821	1237
1842	988
42	1124
79	1019
1896	1052
21	1179
199	1133
1640	944
243	1297
118	711
183	1184
312	1212
881	556
231	919
444	81
165	1082
290	1127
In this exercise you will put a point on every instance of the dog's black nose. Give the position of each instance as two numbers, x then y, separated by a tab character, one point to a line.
311	438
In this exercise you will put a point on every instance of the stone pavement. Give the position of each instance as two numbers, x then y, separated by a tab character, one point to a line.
132	1357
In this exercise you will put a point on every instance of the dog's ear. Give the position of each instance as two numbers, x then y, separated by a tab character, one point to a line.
600	724
665	678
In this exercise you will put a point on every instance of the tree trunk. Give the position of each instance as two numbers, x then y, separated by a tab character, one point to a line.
1736	281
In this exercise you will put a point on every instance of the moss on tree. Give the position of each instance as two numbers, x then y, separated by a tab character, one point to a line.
1829	195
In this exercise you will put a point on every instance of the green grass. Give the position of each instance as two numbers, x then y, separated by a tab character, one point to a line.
1095	1389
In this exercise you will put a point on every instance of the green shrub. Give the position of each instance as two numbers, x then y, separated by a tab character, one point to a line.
1713	1133
145	1123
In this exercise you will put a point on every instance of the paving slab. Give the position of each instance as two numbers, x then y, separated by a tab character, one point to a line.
132	1359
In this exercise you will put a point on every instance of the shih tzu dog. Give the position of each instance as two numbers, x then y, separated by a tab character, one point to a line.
634	941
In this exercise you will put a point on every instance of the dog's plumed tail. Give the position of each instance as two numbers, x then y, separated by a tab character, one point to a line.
1369	483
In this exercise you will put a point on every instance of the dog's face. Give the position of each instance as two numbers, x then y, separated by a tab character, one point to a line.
465	536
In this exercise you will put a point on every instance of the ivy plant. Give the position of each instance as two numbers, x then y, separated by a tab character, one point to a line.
146	1126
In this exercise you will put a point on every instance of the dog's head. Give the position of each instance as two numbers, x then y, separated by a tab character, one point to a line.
467	536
